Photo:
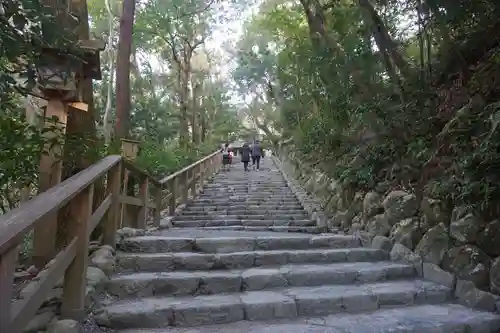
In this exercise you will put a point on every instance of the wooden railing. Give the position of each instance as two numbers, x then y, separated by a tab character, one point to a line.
71	262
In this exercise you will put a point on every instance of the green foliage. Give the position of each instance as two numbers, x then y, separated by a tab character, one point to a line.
346	112
161	160
22	145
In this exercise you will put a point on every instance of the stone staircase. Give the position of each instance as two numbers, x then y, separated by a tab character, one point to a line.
244	257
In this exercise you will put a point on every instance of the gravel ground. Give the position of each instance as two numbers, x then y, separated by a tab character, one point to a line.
90	326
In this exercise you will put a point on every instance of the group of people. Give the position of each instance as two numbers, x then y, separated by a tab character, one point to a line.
248	152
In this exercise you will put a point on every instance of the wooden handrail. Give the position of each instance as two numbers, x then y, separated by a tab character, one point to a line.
17	222
71	262
189	167
139	172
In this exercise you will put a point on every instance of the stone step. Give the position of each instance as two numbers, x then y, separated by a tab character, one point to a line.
276	191
152	244
279	188
267	181
261	217
162	262
311	230
243	212
246	200
185	283
267	305
228	202
199	222
427	318
199	207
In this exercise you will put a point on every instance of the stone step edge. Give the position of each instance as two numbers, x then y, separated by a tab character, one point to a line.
266	305
268	217
417	318
182	283
180	244
302	229
310	204
250	212
188	261
199	223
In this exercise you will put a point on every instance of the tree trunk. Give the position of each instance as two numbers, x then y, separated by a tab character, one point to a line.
195	123
384	40
123	69
183	92
80	124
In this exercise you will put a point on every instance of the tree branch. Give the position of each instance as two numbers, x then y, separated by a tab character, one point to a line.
195	12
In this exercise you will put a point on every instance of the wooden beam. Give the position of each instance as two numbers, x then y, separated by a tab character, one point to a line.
81	106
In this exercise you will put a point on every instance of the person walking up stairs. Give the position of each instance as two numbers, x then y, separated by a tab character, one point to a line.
257	154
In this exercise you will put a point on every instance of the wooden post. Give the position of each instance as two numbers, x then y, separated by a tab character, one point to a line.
113	215
173	196
73	299
142	216
202	174
194	174
8	263
44	237
129	151
158	197
213	164
185	187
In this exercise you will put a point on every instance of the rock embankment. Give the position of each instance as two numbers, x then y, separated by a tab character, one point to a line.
459	243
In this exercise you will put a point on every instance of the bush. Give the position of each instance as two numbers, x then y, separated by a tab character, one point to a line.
161	160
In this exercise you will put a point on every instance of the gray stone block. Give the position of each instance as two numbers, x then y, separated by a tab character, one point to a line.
434	273
203	310
268	305
259	278
225	244
235	260
220	282
382	243
468	295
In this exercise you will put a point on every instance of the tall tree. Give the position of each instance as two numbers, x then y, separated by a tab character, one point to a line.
123	69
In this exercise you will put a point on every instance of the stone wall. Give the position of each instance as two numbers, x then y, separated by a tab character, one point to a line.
463	245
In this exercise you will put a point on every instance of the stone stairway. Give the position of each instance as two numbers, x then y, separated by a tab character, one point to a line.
244	257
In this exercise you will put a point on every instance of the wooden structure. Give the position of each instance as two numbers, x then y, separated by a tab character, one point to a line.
129	214
71	261
60	73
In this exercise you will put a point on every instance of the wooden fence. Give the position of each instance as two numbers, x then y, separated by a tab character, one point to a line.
71	261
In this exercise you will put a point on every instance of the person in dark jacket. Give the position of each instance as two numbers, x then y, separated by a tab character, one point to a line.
256	154
245	153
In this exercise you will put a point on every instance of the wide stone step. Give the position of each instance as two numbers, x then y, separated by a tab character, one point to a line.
161	262
228	202
200	207
269	181
262	191
222	217
199	222
243	212
427	318
246	199
154	244
266	305
186	283
279	192
269	189
311	230
255	200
